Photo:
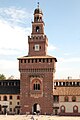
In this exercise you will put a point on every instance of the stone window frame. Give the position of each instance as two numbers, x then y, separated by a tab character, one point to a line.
75	109
73	98
38	84
62	109
56	98
10	103
37	29
18	103
36	47
10	109
5	98
10	97
18	97
66	99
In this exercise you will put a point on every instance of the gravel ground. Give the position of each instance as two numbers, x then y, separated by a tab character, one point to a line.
35	117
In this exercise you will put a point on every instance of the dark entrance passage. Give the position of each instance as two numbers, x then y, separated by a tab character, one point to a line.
5	109
56	111
36	108
17	109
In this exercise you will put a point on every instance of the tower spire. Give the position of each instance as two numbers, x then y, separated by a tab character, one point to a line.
38	4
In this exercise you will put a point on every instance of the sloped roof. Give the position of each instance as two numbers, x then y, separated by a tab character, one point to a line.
66	91
67	80
32	57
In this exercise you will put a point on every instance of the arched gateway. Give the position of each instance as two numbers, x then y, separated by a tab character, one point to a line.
36	108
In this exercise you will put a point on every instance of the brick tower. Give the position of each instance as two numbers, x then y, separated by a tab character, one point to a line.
37	71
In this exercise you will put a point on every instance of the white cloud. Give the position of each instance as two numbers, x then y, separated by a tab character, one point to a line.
13	41
15	15
8	51
12	38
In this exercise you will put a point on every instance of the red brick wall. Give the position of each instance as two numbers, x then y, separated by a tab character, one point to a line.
45	97
43	43
42	69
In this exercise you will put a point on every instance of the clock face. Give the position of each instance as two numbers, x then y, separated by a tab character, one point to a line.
37	47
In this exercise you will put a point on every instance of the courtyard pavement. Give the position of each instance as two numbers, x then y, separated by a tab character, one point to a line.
36	117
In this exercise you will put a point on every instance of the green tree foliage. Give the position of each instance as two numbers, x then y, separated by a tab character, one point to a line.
2	77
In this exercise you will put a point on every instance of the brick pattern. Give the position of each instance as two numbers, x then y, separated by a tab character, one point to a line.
44	97
37	66
42	41
67	87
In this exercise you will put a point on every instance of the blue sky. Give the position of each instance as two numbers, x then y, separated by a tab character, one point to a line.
62	27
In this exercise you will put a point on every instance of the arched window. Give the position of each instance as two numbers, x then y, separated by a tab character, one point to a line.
5	98
62	109
66	99
75	109
37	29
40	18
18	97
10	97
37	18
36	86
73	99
56	98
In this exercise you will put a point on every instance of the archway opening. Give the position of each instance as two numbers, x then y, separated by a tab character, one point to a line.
36	108
37	29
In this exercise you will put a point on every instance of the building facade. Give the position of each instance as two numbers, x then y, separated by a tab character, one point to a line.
37	71
66	97
37	91
10	96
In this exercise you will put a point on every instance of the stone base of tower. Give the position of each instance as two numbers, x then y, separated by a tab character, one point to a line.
34	106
